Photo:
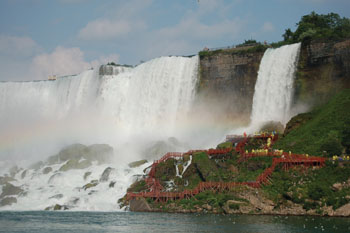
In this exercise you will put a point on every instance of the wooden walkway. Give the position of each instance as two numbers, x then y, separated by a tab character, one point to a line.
287	160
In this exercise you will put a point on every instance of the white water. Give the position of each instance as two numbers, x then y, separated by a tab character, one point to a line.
274	86
127	111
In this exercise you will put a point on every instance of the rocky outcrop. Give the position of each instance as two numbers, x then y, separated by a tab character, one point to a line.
228	77
139	205
112	69
105	174
101	153
137	163
227	81
8	201
10	189
323	70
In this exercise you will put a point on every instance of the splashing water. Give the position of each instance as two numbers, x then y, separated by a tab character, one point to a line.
274	86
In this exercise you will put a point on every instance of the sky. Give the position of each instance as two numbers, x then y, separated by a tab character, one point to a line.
39	38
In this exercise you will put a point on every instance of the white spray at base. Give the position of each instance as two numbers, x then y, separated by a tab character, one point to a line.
128	110
274	87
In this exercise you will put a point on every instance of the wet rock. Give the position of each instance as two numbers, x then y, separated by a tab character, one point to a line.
137	163
92	183
105	174
75	164
139	205
57	196
111	184
60	207
207	207
53	177
343	211
46	170
102	153
10	189
86	175
6	179
24	173
8	201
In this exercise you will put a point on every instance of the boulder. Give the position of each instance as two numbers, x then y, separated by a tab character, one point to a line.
6	179
46	170
86	175
24	173
102	153
139	205
92	183
137	163
8	201
53	177
10	189
111	184
343	211
75	164
272	126
57	196
105	175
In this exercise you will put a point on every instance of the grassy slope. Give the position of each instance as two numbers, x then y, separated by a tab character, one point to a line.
327	124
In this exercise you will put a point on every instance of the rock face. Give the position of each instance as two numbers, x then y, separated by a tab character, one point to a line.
139	205
10	189
228	77
324	69
8	201
227	81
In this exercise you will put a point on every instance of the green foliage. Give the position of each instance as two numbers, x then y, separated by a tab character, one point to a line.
224	145
324	130
312	189
319	27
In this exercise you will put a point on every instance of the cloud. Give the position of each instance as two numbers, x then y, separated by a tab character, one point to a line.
105	29
267	27
17	46
64	61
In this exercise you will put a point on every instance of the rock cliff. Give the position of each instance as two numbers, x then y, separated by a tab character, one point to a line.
227	80
227	77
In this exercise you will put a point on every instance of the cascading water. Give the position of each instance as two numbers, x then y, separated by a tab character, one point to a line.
38	118
274	86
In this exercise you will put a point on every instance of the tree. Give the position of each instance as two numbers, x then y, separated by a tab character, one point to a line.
314	26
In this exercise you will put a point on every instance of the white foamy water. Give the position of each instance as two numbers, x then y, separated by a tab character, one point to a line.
274	86
127	110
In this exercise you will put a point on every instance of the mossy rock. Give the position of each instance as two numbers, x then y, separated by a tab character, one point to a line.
272	126
224	145
92	184
137	163
138	186
75	164
101	153
206	168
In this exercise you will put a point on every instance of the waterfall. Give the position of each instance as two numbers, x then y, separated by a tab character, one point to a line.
127	108
149	99
274	86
